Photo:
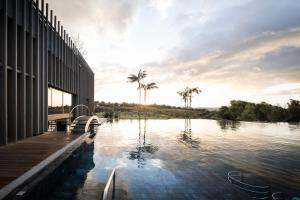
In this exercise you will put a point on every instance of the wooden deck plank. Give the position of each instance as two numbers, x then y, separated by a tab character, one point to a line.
17	158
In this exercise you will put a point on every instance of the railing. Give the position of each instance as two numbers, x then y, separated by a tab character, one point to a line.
278	196
111	178
258	192
79	105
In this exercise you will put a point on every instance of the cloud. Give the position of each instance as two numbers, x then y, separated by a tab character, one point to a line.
283	89
223	25
235	49
260	49
162	6
105	16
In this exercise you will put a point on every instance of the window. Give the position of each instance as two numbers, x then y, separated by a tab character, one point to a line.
59	102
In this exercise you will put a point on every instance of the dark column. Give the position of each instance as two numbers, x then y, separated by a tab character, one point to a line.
22	92
29	66
3	74
12	80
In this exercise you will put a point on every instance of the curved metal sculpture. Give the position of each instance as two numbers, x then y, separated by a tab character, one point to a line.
258	192
88	123
77	106
82	123
277	196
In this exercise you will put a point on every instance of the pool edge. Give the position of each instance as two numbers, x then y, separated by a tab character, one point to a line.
17	188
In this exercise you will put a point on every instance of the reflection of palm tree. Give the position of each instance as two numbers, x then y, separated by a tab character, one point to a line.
149	86
132	78
186	136
140	152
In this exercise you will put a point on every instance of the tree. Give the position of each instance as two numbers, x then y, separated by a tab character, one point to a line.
190	92
293	111
132	78
184	96
149	86
80	45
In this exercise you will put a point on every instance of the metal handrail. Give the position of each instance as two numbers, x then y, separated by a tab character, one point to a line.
111	178
235	177
277	196
79	105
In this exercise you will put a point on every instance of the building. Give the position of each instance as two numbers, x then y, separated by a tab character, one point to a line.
38	61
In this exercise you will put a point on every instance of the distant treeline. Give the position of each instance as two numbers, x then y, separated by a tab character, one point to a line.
126	106
132	110
245	111
237	111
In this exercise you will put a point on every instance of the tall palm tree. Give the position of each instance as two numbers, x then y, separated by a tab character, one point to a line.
132	78
148	86
184	96
190	91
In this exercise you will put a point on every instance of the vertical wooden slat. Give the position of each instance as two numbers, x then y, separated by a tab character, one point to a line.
37	75
47	39
42	68
73	71
70	63
3	75
51	49
55	53
62	56
67	54
58	55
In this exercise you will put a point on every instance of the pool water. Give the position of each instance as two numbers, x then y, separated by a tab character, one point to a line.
185	159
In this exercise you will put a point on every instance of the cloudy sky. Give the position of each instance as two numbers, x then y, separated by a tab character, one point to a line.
238	49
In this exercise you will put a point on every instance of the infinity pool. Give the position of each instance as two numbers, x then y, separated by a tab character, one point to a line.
185	159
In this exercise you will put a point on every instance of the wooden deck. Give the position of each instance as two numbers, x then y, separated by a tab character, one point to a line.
18	158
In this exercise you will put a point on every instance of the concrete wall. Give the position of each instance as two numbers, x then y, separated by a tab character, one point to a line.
36	52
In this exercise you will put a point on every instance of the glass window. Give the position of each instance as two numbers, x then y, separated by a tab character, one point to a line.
58	102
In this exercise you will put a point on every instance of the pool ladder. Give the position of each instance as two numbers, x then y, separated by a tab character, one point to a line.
257	192
111	181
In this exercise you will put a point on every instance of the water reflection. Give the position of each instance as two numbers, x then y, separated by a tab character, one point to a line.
143	148
72	175
227	124
186	136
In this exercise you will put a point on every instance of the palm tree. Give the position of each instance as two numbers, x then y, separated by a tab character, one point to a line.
148	86
190	92
184	96
138	78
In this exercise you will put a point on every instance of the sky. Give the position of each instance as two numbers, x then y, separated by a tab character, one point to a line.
239	49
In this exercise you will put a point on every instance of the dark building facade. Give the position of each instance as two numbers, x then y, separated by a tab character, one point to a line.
36	54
